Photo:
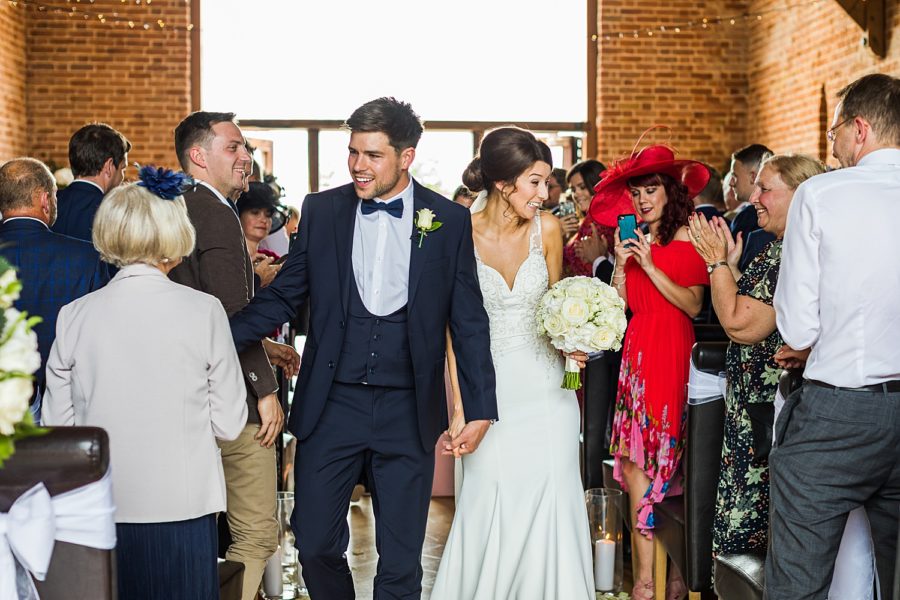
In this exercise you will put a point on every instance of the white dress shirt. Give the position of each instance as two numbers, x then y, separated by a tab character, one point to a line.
152	362
381	251
839	284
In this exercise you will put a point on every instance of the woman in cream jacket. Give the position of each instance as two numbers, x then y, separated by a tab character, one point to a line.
153	363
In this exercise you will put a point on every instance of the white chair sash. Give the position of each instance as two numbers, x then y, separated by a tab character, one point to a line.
854	569
83	516
703	387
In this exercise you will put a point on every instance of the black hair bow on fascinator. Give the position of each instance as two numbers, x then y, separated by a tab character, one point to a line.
165	183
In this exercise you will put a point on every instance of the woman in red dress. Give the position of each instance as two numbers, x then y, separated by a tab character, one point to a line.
661	277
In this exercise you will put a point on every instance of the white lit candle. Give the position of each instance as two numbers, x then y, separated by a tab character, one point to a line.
604	564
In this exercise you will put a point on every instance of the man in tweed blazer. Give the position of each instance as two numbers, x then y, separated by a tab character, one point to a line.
210	148
54	269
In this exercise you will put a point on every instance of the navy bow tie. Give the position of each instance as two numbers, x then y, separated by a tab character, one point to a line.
395	208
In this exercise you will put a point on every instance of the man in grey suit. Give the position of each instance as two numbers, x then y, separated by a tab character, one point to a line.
837	438
211	149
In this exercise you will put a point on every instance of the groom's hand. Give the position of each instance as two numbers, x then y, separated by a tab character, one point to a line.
469	438
282	355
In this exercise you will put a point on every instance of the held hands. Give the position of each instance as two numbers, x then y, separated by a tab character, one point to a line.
467	441
271	420
788	358
457	424
282	355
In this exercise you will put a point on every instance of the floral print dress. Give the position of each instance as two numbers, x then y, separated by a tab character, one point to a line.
742	506
648	426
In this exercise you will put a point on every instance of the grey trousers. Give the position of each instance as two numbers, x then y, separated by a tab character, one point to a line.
835	450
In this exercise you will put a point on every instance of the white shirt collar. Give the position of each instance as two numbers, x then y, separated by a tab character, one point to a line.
29	218
90	183
883	156
741	207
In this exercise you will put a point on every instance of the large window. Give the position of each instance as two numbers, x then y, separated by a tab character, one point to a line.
508	61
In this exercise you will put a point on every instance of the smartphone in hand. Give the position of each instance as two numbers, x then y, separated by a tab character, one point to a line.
627	226
565	208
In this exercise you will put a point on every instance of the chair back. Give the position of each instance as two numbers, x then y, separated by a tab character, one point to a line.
702	456
64	459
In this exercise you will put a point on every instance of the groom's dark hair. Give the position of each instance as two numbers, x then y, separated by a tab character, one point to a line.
389	116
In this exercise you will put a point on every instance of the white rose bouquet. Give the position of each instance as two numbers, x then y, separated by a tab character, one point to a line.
581	314
19	358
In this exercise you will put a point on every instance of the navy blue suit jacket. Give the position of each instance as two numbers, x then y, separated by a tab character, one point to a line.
744	222
709	211
753	245
76	206
443	290
54	270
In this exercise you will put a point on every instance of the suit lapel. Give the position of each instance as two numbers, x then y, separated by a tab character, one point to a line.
344	208
419	256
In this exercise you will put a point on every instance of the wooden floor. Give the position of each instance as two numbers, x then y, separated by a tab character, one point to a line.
363	558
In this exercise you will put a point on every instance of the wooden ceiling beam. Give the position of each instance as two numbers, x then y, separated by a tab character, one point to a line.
871	16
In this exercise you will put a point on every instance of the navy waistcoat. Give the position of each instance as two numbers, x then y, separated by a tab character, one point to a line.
376	349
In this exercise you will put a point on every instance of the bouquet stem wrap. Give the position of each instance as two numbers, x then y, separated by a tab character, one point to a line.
572	378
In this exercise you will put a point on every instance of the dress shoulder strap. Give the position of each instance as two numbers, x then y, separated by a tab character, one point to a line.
537	242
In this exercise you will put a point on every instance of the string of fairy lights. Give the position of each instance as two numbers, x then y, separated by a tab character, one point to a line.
88	10
707	22
108	14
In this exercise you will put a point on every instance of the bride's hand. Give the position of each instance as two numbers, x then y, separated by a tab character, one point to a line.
457	424
578	356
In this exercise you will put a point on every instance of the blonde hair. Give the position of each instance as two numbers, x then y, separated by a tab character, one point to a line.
794	169
133	225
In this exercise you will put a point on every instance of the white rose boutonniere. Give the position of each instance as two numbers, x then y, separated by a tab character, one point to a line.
425	223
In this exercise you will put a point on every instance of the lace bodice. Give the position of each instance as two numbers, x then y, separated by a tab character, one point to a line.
513	312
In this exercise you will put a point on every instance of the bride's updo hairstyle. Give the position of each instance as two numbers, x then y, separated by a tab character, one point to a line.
504	154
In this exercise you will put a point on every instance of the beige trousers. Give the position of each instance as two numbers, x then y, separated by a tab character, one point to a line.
250	490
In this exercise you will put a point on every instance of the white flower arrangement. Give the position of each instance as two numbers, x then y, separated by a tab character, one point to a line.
19	359
582	314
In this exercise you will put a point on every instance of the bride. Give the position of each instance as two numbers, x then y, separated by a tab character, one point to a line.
520	529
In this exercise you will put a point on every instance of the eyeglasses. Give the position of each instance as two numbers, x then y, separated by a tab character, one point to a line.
830	134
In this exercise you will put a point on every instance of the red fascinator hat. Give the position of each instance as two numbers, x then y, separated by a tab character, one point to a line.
611	195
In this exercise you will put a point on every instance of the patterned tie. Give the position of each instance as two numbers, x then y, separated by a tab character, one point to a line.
395	208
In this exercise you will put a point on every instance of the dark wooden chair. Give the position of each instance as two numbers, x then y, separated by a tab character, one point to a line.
64	459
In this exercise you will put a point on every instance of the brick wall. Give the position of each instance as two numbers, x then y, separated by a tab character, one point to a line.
770	80
13	138
798	62
694	81
83	70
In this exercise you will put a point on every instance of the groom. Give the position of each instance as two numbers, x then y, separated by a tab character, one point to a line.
382	288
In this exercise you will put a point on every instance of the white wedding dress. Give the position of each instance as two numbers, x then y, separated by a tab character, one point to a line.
521	530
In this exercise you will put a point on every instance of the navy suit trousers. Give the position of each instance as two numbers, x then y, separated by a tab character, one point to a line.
376	429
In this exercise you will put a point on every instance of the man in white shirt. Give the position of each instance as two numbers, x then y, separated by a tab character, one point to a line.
837	439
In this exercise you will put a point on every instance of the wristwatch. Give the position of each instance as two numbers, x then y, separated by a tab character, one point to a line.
715	265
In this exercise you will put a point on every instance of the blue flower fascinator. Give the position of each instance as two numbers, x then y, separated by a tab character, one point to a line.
165	183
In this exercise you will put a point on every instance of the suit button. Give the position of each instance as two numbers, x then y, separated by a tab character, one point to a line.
372	371
378	321
376	337
341	324
374	355
330	364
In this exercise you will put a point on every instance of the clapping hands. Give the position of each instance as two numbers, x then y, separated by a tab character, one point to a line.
713	240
